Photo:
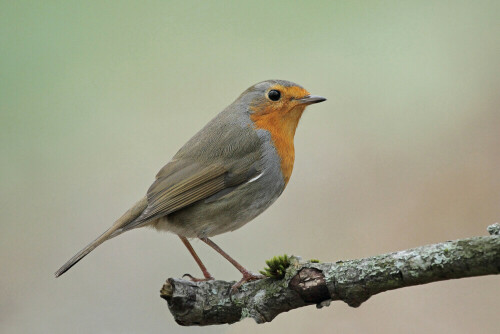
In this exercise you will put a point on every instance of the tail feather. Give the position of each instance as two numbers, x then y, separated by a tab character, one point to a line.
127	217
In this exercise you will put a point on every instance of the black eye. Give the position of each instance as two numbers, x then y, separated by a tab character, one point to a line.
274	95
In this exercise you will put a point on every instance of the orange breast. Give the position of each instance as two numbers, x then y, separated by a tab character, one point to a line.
281	125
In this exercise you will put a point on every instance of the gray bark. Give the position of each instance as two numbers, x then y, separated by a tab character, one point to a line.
353	281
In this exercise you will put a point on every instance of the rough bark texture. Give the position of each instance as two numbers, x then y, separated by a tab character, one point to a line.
353	281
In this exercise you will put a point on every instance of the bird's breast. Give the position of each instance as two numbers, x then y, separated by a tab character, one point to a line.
281	128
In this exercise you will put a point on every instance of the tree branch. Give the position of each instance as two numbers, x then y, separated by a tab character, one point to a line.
353	281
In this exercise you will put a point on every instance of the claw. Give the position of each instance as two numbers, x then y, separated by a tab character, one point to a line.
247	277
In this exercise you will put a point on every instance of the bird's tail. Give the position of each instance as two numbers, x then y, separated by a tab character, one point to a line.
127	217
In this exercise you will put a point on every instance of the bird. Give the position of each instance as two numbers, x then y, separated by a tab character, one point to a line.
228	173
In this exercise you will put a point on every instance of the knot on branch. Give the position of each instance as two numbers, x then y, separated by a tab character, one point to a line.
310	284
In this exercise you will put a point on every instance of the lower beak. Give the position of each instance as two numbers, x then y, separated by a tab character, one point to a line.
311	99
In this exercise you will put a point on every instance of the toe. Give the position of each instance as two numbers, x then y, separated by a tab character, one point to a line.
247	277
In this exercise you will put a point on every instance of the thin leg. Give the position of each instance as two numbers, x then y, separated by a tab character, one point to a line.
247	275
190	248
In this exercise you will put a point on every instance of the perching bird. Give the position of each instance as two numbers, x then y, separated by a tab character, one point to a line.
225	176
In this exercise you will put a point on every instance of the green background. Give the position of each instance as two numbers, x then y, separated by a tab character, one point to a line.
96	96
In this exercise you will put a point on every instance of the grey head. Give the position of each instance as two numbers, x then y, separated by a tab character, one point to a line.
258	93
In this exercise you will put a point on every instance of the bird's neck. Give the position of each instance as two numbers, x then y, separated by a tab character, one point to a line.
281	126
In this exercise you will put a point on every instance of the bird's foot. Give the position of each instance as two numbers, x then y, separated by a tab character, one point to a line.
194	279
247	277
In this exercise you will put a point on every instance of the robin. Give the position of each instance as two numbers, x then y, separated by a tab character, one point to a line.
223	177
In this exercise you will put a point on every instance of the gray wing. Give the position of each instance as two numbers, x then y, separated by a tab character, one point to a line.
223	155
180	184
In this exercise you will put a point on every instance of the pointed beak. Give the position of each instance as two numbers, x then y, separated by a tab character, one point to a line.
311	99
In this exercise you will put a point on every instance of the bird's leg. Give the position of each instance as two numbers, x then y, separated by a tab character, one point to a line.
247	275
190	248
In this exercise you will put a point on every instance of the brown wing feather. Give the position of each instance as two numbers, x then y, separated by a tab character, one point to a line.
203	183
180	188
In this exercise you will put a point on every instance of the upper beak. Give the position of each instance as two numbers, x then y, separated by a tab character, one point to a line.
310	99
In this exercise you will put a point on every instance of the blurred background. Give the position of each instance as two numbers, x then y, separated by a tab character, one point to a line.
96	96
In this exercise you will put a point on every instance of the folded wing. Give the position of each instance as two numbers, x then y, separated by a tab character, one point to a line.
182	183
